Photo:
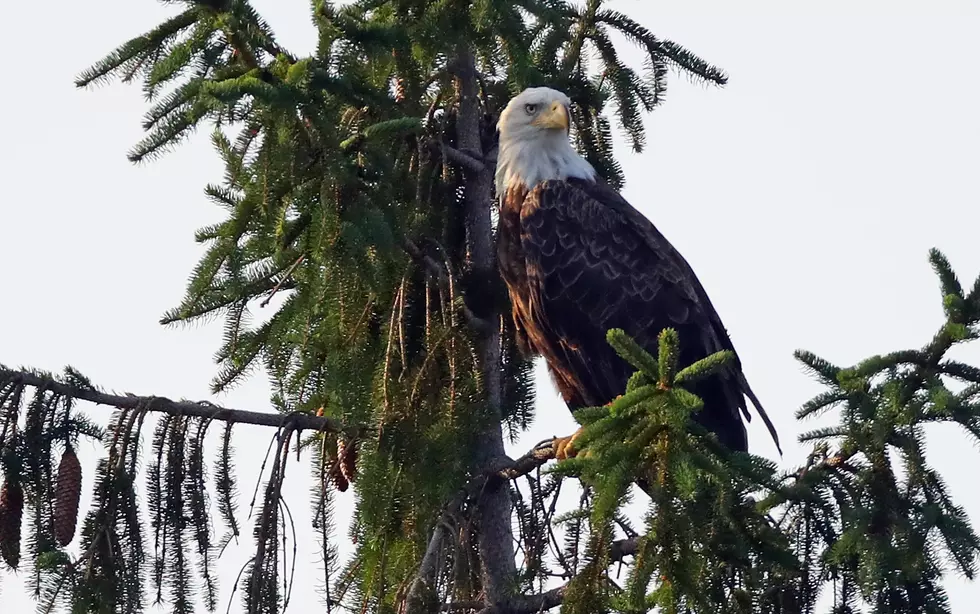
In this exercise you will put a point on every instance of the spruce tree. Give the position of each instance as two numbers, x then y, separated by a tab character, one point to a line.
358	190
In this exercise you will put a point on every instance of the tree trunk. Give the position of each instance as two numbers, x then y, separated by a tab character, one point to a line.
496	542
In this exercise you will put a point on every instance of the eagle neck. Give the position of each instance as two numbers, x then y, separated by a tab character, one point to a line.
529	161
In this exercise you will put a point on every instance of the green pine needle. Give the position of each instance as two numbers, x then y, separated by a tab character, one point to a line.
947	278
668	345
826	371
393	128
630	351
705	367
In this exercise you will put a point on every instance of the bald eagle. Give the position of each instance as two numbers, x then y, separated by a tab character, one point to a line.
578	260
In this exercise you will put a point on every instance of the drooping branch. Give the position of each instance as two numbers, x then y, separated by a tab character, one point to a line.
200	409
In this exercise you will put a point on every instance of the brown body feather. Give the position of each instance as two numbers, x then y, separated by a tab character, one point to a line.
579	260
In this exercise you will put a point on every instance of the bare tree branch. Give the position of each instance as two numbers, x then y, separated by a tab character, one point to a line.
623	548
285	276
530	604
463	159
201	409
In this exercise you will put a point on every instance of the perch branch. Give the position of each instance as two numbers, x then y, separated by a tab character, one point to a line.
200	409
425	580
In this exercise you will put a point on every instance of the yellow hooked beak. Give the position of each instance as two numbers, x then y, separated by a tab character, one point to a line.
555	118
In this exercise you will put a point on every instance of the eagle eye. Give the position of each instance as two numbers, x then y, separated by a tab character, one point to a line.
530	108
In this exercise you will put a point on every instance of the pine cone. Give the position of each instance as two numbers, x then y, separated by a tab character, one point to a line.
347	453
67	490
11	512
336	475
400	90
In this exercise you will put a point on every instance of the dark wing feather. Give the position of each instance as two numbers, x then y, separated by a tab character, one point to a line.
593	266
604	193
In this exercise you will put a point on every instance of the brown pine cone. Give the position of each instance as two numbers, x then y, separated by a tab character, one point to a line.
400	90
347	453
337	477
11	512
67	490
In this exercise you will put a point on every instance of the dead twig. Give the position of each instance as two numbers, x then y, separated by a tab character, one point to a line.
285	276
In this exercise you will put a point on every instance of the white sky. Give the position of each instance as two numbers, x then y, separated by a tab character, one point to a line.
805	194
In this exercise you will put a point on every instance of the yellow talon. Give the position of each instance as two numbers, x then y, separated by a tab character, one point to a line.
564	446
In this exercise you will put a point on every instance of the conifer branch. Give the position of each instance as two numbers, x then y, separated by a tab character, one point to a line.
819	459
200	409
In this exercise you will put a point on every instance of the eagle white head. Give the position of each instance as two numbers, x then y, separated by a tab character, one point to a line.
534	145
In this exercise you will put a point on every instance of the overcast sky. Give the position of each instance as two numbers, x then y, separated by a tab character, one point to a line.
805	194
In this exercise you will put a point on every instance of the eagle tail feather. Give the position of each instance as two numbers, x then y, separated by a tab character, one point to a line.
762	412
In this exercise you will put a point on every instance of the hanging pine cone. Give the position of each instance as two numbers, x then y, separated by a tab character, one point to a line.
11	512
66	492
337	477
347	453
400	90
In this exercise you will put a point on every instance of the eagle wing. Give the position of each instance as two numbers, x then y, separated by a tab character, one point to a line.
611	198
594	263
